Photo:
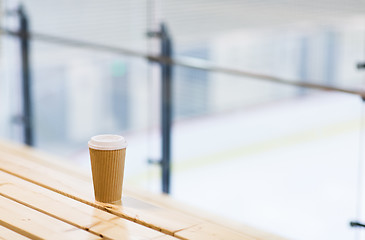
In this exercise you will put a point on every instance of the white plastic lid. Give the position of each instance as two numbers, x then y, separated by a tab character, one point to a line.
107	142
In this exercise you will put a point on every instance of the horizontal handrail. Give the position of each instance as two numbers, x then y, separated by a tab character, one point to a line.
184	62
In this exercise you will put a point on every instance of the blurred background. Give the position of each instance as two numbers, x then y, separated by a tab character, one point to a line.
253	137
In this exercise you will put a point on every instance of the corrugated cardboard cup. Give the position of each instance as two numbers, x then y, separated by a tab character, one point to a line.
107	155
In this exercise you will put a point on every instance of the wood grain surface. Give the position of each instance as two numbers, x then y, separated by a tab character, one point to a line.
37	181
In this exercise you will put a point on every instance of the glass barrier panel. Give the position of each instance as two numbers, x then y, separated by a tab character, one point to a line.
270	156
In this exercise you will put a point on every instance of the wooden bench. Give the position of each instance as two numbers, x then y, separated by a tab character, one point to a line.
41	197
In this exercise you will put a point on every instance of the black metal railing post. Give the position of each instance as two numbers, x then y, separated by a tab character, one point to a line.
166	117
25	75
166	104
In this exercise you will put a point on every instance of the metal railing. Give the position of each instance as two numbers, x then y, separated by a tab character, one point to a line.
182	61
166	62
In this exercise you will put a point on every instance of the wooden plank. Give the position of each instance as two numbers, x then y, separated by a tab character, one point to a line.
132	209
45	176
44	159
160	214
71	211
166	237
7	234
36	225
208	231
166	202
153	216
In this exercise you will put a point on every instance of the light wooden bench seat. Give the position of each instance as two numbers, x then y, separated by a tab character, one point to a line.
44	198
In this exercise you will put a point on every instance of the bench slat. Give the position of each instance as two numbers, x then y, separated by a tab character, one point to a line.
149	215
39	168
36	225
7	234
71	211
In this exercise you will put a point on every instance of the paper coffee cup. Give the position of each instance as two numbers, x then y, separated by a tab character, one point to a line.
107	156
